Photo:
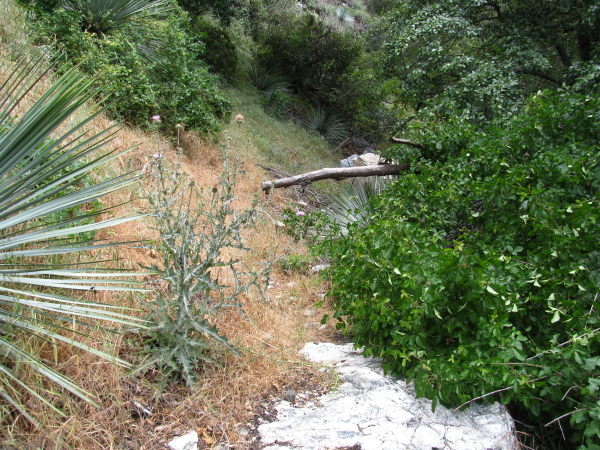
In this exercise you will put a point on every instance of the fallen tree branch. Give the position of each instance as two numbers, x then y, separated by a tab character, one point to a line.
407	142
335	173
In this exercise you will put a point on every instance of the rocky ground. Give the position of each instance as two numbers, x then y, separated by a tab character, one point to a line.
355	406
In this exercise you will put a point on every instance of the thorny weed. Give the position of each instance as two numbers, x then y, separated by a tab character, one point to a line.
197	276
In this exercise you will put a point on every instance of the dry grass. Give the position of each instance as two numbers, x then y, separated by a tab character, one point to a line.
229	392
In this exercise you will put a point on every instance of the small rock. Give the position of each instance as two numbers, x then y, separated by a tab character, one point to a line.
319	267
289	396
186	442
309	313
367	159
348	161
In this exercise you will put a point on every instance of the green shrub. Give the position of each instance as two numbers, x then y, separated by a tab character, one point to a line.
219	51
479	272
311	54
224	10
149	70
295	263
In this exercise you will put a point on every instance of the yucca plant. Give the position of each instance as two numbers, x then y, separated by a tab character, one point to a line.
102	16
265	80
327	123
343	16
45	161
352	203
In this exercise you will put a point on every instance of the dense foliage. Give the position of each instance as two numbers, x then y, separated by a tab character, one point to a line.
480	268
310	52
480	272
151	66
480	59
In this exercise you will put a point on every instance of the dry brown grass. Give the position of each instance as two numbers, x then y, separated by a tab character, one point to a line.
228	394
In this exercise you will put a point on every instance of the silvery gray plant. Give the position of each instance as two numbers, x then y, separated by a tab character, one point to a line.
352	203
196	227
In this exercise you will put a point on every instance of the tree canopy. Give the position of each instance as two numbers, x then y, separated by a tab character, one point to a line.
481	59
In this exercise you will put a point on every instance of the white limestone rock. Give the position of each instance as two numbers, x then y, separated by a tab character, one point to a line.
366	159
379	412
186	442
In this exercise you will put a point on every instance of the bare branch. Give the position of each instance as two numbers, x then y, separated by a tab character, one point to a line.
492	393
335	173
407	142
564	415
543	76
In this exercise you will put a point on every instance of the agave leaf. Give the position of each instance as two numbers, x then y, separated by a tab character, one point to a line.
327	123
9	373
352	203
44	154
46	234
18	405
58	299
61	249
102	16
42	331
12	351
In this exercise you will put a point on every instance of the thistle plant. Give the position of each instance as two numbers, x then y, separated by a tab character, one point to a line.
197	229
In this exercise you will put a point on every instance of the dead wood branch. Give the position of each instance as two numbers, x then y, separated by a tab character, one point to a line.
335	173
407	142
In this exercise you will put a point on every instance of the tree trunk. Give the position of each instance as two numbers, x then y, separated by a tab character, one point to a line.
337	174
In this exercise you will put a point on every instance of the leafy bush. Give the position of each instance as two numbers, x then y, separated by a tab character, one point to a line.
482	60
196	231
224	10
312	54
479	273
150	69
219	51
